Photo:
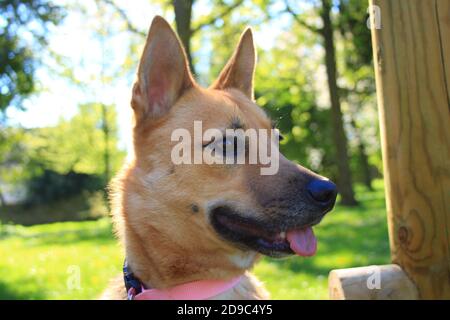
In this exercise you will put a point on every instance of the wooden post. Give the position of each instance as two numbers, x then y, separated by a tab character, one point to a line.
387	282
412	67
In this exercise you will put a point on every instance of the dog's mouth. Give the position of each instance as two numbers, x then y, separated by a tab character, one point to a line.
262	237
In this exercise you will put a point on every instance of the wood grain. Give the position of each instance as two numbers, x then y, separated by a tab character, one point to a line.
411	54
443	12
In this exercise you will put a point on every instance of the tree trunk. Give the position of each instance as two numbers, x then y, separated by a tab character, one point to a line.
106	155
2	199
363	159
344	181
183	13
365	166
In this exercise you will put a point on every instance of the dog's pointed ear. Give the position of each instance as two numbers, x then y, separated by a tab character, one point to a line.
163	73
239	71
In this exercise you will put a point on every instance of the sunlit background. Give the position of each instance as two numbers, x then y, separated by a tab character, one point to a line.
66	71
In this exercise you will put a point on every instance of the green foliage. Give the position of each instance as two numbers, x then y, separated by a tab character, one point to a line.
86	205
284	87
51	186
352	25
12	151
347	238
358	87
77	144
63	160
20	21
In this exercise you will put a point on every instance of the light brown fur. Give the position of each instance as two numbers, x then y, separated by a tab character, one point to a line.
166	242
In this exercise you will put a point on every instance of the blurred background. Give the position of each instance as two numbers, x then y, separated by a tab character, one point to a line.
66	70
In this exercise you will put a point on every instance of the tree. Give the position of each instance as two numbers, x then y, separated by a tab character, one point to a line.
183	18
344	180
359	76
18	57
11	157
69	155
76	144
285	87
185	26
183	21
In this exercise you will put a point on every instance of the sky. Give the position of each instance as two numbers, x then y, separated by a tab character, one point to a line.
86	56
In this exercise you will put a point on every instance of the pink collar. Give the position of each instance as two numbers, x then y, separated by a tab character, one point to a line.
196	290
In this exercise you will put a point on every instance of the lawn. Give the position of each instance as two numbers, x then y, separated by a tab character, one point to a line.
75	260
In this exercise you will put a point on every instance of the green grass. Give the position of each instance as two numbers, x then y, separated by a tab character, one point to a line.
46	261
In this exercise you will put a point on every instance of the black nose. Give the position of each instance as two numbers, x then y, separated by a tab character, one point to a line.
322	192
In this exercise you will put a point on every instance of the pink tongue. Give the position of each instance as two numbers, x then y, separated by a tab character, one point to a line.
303	242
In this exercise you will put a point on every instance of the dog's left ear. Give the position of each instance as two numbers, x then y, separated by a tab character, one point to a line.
239	71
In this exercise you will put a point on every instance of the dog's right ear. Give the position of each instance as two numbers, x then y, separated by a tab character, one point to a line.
163	73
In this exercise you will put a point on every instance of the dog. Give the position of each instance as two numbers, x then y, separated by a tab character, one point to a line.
185	227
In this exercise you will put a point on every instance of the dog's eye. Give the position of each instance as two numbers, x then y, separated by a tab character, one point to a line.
224	145
229	143
205	144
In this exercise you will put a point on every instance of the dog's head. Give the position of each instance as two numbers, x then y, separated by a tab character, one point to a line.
219	208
